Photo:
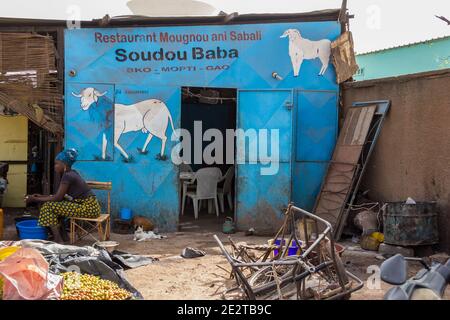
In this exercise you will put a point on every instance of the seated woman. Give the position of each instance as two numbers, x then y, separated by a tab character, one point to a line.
74	198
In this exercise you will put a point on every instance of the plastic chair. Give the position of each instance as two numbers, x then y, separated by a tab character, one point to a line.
206	189
186	185
184	167
226	189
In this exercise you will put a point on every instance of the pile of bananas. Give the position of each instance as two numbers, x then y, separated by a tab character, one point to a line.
87	287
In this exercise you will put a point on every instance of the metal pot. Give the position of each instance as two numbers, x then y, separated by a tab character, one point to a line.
110	246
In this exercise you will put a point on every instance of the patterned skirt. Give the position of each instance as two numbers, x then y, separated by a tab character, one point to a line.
52	211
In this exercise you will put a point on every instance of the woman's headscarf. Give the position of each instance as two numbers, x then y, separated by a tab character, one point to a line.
68	156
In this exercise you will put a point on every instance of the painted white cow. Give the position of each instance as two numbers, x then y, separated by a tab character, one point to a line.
87	97
149	116
303	49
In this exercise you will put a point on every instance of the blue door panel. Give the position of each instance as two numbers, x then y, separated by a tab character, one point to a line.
267	110
315	134
307	181
317	126
261	198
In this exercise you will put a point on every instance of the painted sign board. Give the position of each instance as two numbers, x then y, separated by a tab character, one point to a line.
136	75
235	56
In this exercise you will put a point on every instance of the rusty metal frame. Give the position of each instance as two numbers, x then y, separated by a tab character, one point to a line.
381	111
296	261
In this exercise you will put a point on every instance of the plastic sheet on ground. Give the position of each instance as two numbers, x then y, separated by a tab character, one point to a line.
64	258
131	261
26	276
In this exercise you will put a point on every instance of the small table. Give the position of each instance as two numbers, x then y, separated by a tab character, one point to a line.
184	177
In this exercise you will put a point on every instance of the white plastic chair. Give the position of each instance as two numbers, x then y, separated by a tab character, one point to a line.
186	185
226	189
184	167
206	189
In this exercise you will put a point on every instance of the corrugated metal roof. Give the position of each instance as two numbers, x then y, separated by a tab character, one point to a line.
233	18
404	45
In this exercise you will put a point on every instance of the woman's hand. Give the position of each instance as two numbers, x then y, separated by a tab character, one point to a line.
29	199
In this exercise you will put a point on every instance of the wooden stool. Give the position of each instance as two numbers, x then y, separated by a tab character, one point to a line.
82	227
90	225
122	226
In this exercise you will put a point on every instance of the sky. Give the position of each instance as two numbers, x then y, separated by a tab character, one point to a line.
378	24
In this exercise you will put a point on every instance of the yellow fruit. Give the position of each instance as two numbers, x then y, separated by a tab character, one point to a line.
91	288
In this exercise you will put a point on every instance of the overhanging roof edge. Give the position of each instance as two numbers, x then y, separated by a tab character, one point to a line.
321	15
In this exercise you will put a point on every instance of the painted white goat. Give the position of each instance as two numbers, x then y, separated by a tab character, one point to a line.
149	116
303	49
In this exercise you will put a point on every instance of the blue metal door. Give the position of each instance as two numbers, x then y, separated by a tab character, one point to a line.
316	126
263	184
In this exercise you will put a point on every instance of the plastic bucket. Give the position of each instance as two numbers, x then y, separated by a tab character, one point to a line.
29	229
125	214
292	251
23	218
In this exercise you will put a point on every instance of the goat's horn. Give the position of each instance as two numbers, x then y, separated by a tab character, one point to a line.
76	94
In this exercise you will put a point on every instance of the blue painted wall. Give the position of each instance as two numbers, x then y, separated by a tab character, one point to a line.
115	62
415	58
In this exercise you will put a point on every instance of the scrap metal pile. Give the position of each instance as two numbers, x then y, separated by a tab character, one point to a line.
289	268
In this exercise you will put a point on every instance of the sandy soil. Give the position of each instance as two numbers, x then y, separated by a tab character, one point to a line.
173	277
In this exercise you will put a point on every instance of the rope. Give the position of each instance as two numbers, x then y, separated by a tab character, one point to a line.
187	92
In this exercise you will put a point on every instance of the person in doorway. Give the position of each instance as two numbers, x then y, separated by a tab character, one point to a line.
74	198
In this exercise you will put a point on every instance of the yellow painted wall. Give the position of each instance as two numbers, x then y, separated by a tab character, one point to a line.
13	147
17	187
13	138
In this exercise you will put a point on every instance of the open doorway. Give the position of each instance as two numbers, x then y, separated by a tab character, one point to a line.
26	167
211	111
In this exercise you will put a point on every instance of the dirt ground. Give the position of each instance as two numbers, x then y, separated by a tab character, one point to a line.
173	277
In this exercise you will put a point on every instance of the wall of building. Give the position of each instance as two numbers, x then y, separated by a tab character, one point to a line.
13	147
412	156
130	67
416	58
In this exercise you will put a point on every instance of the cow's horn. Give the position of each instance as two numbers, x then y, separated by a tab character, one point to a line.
76	94
98	94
